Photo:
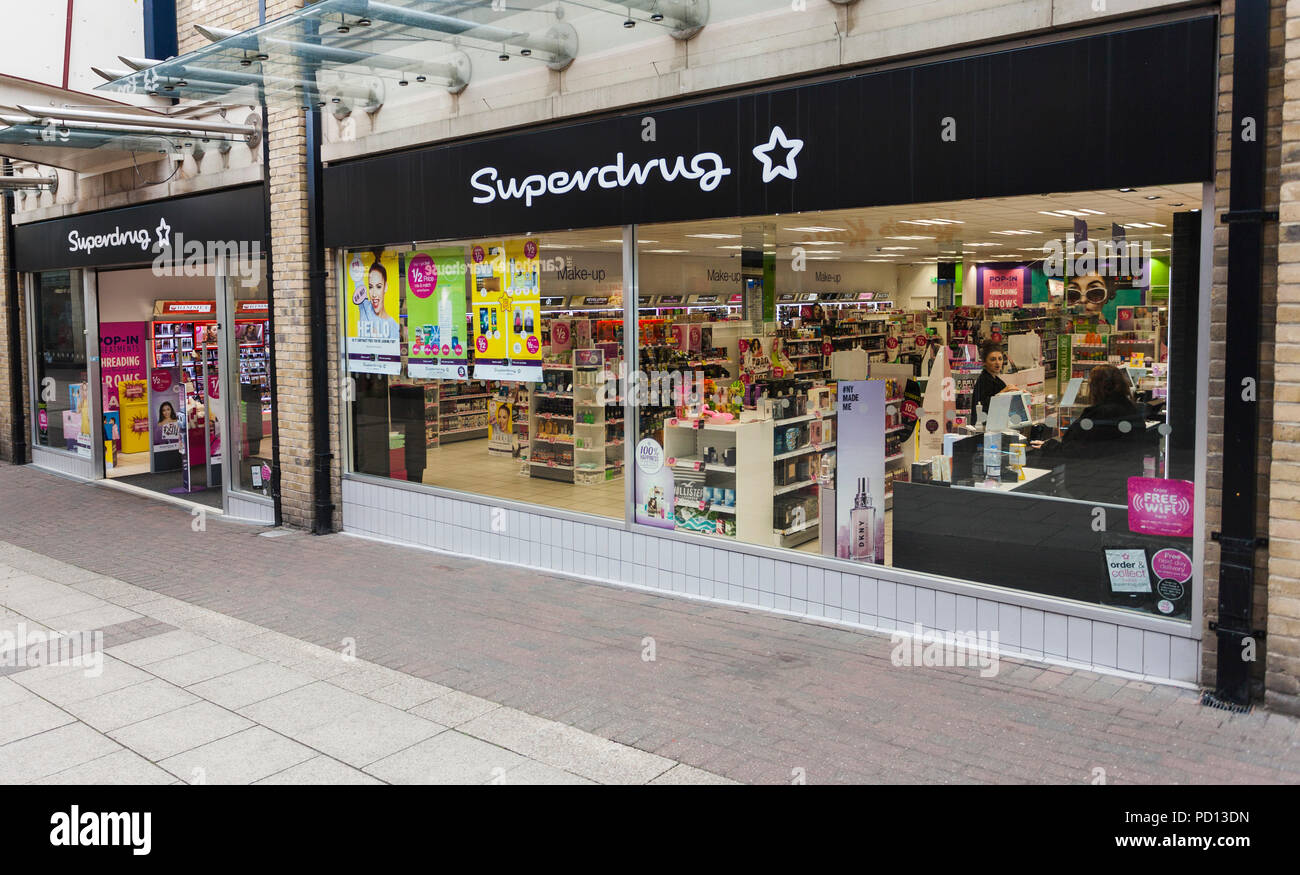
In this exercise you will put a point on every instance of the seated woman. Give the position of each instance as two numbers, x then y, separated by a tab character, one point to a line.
1104	446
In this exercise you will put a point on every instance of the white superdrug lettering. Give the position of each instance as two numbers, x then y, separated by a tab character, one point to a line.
138	237
707	168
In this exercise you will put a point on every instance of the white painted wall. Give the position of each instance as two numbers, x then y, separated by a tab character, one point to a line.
128	295
916	286
101	30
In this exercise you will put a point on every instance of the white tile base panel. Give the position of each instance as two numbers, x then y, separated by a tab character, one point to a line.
62	463
610	554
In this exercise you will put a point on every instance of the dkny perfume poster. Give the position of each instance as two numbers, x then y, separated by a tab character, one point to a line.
860	475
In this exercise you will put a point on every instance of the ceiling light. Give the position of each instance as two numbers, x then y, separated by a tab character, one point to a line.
1128	189
421	78
1050	213
897	248
731	247
1155	225
816	243
1176	205
1093	212
363	22
983	244
817	229
342	28
715	236
656	16
1153	197
669	251
910	237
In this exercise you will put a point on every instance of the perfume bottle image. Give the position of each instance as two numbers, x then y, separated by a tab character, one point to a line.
494	324
862	525
519	321
483	321
528	321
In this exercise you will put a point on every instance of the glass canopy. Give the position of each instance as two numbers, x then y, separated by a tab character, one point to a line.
354	50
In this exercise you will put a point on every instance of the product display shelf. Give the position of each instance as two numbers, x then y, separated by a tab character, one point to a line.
597	428
702	503
798	445
463	411
552	423
432	421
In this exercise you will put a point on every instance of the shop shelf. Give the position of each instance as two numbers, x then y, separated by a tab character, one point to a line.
799	528
802	484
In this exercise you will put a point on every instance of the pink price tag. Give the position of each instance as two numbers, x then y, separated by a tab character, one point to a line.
698	465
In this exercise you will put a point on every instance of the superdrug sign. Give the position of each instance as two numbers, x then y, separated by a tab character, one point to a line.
988	125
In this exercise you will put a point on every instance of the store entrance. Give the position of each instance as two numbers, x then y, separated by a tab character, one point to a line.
162	383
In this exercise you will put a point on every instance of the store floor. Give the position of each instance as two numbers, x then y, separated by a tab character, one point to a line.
468	467
133	469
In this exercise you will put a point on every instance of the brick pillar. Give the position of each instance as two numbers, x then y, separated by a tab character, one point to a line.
287	188
1274	341
1282	657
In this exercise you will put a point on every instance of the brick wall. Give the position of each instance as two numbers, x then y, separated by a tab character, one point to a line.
1269	336
287	139
232	14
1282	659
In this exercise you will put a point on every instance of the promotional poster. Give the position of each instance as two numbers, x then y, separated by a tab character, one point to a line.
1005	289
121	356
374	336
860	478
133	408
938	408
435	315
507	317
164	409
654	486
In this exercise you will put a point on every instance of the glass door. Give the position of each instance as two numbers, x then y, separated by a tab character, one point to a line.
247	371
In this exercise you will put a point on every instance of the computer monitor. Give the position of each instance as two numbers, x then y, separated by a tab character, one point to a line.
1071	396
1007	410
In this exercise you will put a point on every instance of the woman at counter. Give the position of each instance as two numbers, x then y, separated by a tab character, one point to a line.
989	383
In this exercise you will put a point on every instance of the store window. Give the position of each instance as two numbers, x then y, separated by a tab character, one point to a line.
996	391
63	404
249	376
476	365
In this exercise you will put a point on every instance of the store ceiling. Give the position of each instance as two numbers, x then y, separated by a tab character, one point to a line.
977	230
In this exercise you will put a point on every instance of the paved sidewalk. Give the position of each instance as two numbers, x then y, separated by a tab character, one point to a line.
180	694
745	695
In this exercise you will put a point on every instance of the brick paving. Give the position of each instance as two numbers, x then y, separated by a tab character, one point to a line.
746	695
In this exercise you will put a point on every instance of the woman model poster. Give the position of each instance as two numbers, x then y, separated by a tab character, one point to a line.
373	318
